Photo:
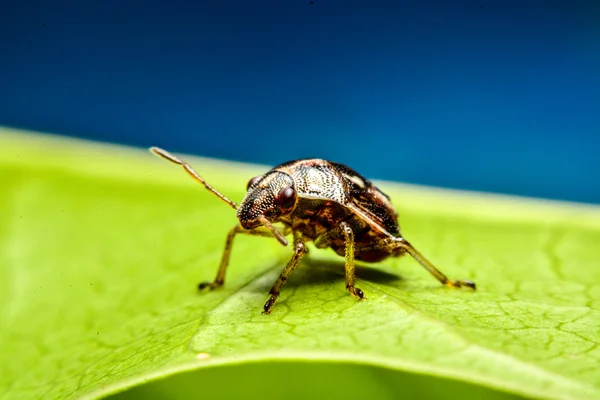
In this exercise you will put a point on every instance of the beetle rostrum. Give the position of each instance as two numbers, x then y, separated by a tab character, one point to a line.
323	202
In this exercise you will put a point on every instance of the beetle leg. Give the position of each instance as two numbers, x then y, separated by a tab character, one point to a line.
439	275
324	240
260	231
397	246
349	236
299	251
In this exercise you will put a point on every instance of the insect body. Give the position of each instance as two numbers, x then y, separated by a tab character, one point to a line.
319	201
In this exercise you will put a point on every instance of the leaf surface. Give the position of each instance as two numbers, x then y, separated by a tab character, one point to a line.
102	246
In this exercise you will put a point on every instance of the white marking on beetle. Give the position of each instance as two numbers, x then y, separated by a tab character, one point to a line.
202	356
357	180
315	180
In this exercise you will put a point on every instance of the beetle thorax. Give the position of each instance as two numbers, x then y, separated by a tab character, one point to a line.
317	179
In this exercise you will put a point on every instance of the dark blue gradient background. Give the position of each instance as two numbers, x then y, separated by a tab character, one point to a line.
497	96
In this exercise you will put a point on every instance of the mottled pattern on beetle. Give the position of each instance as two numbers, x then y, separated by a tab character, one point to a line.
331	193
370	199
260	198
313	217
316	178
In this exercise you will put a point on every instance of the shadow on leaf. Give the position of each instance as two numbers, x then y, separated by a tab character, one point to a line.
318	271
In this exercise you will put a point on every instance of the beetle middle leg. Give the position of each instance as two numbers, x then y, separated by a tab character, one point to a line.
220	278
349	261
326	239
299	251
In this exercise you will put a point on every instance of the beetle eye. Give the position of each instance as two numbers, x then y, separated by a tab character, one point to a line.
286	197
253	181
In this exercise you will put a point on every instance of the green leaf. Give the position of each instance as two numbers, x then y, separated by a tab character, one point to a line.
102	246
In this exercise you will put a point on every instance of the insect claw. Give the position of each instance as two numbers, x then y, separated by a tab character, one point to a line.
356	292
461	283
470	284
209	285
269	305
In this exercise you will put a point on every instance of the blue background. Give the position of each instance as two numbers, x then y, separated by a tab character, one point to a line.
487	95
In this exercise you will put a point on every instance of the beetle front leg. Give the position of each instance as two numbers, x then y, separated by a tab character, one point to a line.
349	264
299	251
220	279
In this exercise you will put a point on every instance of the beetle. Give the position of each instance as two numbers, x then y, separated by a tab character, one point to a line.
320	201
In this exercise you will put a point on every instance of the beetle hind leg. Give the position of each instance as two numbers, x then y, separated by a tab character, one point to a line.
398	246
439	275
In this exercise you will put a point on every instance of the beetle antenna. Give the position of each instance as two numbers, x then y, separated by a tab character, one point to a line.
188	168
278	235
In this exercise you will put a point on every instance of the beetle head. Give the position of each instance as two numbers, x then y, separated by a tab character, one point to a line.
269	196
